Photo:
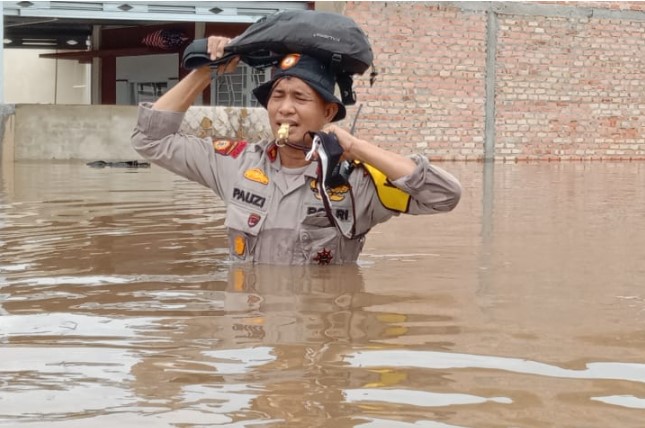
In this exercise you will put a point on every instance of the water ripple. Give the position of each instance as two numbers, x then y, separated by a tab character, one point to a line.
633	372
418	398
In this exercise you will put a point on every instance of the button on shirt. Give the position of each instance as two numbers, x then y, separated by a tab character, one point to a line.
275	215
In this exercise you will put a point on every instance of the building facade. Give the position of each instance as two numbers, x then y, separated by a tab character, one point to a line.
456	80
509	81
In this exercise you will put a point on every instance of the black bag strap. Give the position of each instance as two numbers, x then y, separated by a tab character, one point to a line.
345	84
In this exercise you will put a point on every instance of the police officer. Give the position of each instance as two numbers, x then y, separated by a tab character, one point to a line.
275	212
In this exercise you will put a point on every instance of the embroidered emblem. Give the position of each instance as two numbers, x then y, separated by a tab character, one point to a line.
336	194
239	245
253	220
323	257
289	61
229	148
257	175
272	152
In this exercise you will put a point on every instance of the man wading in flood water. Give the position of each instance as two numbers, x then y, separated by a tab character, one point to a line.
276	212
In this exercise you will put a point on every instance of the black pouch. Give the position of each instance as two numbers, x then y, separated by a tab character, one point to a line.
329	152
333	177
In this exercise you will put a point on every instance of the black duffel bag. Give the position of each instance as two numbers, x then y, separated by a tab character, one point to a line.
330	37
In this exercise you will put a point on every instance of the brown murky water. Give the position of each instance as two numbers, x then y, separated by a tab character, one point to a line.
525	307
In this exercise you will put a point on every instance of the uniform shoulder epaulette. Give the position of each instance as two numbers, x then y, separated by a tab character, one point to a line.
229	147
390	196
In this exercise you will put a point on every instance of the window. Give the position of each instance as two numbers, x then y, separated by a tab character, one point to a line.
235	89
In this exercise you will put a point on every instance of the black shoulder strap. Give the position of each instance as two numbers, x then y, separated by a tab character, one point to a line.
345	83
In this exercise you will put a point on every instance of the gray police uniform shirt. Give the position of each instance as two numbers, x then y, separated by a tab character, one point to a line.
276	217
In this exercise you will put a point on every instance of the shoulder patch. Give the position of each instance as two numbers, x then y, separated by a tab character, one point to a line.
228	147
390	196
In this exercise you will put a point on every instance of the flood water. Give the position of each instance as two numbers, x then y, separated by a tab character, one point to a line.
524	307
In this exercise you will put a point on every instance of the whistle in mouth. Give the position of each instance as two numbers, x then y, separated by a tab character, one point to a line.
283	133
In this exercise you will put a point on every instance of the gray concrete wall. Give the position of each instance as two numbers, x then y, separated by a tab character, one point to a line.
102	132
76	132
7	115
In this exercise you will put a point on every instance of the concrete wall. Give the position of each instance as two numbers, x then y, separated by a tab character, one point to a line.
505	80
55	132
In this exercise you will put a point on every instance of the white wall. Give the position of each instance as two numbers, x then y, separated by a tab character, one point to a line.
131	70
29	79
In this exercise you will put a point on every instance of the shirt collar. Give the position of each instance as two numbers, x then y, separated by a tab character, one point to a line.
276	165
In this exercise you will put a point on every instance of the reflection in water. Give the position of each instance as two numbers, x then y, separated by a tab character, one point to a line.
523	307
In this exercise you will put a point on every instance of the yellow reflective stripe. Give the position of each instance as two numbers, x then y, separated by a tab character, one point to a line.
390	196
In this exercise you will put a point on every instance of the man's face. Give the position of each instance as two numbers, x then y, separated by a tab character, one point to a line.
296	103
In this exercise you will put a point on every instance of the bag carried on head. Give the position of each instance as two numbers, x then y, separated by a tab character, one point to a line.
330	37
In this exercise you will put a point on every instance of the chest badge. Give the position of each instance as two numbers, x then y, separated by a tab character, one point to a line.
257	175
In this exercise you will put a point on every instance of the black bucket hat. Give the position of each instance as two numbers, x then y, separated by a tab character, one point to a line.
313	72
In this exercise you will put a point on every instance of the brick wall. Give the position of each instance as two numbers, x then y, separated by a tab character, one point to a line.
429	94
568	84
